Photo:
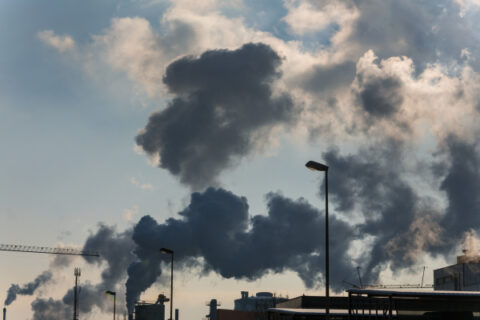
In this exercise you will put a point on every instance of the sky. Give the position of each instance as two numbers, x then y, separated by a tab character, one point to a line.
131	125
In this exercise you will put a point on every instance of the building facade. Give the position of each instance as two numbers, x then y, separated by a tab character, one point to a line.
260	302
463	276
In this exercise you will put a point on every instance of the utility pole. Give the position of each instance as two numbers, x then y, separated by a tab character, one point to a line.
77	273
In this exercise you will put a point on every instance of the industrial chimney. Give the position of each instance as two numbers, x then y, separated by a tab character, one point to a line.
4	313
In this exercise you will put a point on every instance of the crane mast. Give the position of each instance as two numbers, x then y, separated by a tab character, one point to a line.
47	250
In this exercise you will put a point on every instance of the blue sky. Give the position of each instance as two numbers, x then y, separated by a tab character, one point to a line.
384	92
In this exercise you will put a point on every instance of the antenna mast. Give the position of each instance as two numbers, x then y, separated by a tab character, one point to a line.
76	273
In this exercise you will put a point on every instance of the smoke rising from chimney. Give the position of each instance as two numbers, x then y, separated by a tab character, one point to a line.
216	227
115	256
217	233
27	289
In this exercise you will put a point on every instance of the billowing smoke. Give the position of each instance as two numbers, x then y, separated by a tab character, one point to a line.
216	233
115	256
116	250
89	297
372	185
217	227
50	309
461	184
223	101
368	184
379	97
27	289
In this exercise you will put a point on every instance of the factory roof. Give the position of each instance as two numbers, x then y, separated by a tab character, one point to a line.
304	311
415	293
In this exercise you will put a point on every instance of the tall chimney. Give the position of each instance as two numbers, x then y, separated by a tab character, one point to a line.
4	313
176	314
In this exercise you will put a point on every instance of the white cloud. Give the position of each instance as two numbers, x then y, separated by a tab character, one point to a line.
143	186
61	43
466	5
444	99
129	214
130	45
304	17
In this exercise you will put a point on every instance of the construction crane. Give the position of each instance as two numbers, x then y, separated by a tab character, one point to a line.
47	250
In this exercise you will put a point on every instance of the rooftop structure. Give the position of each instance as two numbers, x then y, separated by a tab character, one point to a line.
463	276
149	310
260	302
383	304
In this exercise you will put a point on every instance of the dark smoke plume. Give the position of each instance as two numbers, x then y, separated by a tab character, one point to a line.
116	251
461	183
27	289
223	101
368	184
217	227
405	224
90	297
115	256
50	309
380	97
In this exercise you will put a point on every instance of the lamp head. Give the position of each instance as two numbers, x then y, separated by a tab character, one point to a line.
113	293
166	251
312	165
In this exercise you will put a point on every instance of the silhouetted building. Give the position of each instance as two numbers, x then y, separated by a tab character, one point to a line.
463	276
223	314
383	304
246	308
260	302
151	311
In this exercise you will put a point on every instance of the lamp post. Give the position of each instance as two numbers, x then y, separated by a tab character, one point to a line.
170	252
114	294
312	165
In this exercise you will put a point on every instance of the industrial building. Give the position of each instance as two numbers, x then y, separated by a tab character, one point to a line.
260	302
246	307
463	276
151	311
384	304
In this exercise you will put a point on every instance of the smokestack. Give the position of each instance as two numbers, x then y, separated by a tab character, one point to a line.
4	313
176	314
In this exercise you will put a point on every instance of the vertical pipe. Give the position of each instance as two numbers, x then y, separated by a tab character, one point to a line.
114	304
171	289
327	269
4	313
423	275
176	314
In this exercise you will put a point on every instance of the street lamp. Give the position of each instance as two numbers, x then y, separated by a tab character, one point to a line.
114	294
170	252
312	165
